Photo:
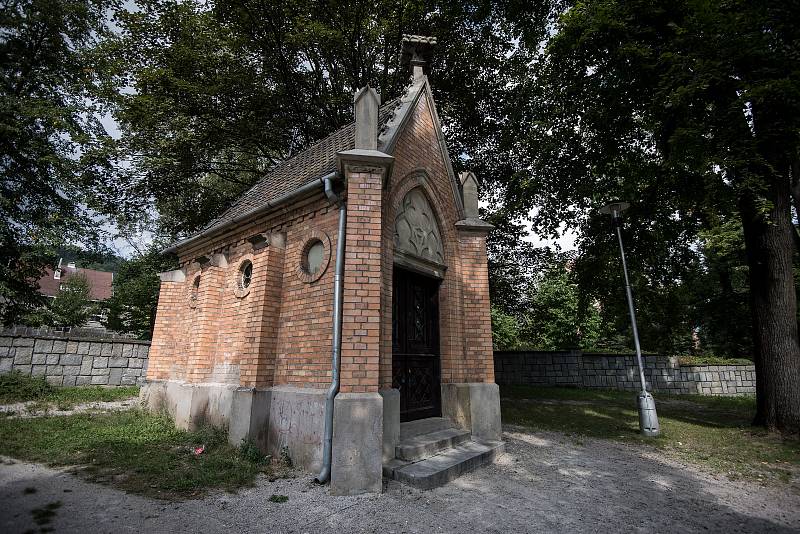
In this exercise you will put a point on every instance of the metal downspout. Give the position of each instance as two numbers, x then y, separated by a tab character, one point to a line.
327	451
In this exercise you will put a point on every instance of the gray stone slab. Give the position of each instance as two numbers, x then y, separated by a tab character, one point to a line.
43	345
55	370
59	346
23	355
55	380
99	380
25	369
71	370
72	347
83	347
449	465
86	365
357	444
118	362
83	380
39	358
52	359
71	359
23	342
100	363
38	370
115	376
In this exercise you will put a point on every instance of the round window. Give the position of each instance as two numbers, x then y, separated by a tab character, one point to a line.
245	274
315	255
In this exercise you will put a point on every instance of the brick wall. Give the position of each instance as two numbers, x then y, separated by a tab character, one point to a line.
612	371
280	333
75	361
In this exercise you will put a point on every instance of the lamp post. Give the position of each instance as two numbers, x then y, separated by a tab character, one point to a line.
648	418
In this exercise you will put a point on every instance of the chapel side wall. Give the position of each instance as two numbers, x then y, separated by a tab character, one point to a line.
279	334
303	345
419	162
170	345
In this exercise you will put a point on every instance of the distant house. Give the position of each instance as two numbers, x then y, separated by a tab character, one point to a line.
101	287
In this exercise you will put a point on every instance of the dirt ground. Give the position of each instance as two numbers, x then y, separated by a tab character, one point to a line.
546	482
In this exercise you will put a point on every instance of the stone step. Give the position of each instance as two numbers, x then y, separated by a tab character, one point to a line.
426	445
411	429
444	467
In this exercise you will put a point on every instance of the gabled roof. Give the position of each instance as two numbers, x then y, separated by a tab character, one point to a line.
100	281
320	159
317	160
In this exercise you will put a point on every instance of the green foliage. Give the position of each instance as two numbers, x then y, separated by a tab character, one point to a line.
134	451
54	150
133	305
226	89
555	320
16	387
713	360
721	290
72	305
505	330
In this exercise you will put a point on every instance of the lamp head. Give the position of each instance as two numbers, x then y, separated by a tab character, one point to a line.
614	208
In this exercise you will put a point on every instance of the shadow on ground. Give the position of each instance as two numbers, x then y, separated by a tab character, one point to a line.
546	482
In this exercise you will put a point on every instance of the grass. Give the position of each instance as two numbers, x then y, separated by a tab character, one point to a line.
712	360
714	432
137	452
16	387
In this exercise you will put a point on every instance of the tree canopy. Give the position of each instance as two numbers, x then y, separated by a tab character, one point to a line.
54	151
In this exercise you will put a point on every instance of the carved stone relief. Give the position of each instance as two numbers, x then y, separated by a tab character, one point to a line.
415	228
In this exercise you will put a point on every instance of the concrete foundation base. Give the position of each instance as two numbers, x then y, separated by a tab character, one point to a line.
357	444
279	420
391	422
474	406
296	421
249	419
190	405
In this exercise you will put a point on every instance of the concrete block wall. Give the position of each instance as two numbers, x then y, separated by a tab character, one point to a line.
75	361
619	371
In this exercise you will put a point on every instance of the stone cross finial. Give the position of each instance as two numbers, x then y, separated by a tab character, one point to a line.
366	103
416	52
469	193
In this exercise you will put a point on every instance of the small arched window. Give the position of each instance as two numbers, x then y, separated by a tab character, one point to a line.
245	274
194	292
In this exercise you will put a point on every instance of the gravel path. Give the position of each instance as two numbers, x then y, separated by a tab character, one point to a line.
545	482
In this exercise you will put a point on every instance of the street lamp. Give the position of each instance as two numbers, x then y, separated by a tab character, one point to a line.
648	418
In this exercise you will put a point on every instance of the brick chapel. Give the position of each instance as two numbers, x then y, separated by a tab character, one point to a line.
338	312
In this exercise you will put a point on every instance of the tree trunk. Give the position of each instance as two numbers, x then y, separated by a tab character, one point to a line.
769	247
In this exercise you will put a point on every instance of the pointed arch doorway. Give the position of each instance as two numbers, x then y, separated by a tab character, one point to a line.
417	274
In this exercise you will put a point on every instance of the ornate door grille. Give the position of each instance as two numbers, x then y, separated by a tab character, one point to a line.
415	345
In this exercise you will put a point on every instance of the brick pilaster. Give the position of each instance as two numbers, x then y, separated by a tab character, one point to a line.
258	358
478	365
206	324
361	310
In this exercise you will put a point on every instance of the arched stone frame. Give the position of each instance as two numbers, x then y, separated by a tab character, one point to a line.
449	290
309	239
239	291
